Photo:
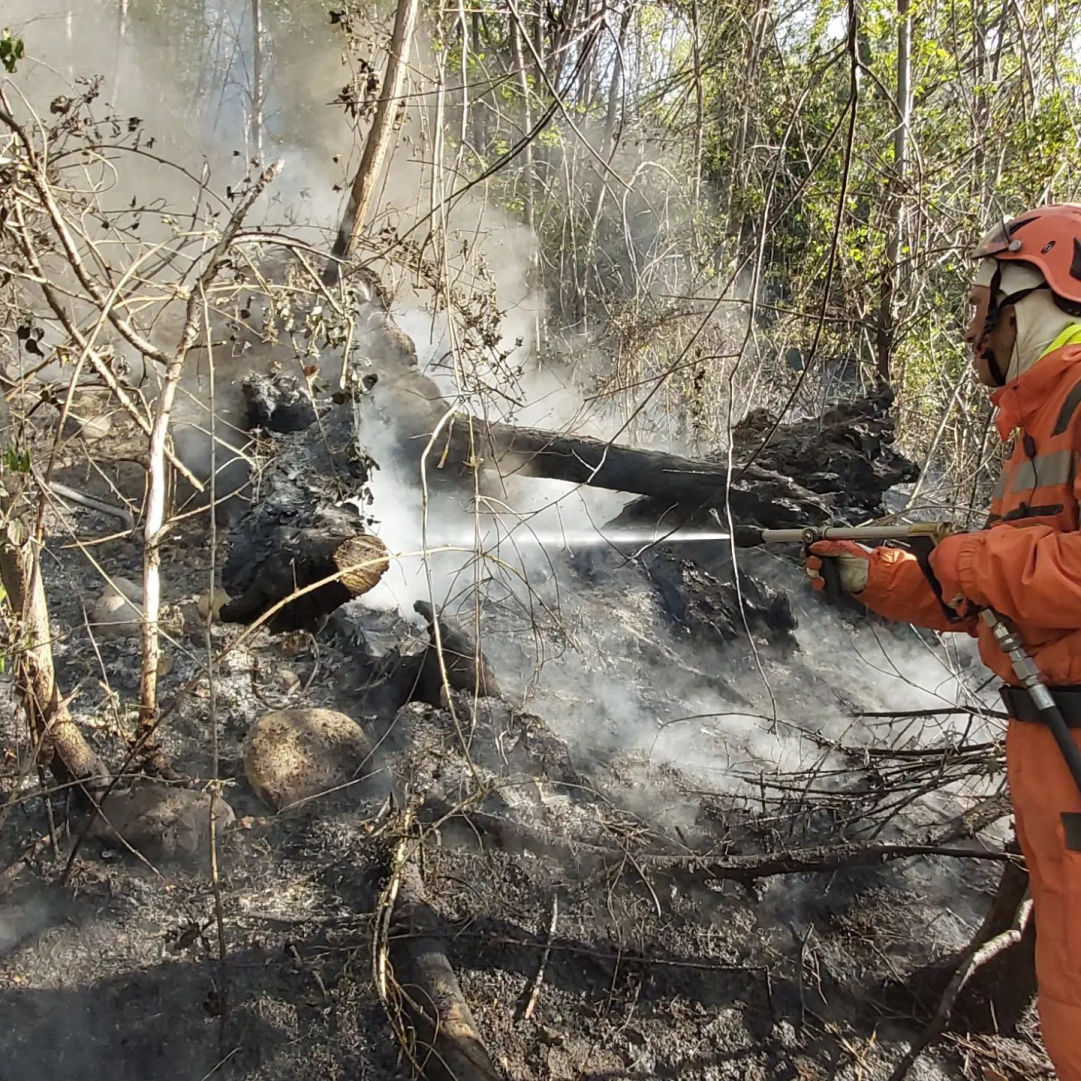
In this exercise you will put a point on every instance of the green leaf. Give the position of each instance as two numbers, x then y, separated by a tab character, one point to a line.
11	50
16	460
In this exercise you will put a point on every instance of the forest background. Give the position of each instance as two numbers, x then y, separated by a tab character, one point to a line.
771	198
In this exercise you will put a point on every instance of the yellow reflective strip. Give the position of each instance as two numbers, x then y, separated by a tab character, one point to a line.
1070	336
1043	471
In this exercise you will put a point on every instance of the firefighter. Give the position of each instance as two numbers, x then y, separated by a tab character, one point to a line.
1025	340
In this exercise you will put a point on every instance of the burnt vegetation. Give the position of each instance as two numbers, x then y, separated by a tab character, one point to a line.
534	810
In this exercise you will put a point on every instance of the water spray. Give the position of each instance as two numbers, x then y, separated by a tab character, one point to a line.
929	533
523	536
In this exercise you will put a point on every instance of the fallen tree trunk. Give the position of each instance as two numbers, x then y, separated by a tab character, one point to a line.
449	1048
341	556
754	495
833	467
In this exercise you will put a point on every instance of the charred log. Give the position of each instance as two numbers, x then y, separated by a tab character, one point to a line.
449	1047
382	685
843	460
301	531
846	454
833	467
758	495
320	567
694	598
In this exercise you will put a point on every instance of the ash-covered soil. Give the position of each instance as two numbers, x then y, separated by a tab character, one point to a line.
563	834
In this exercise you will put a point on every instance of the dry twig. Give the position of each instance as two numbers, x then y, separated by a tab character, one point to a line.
538	980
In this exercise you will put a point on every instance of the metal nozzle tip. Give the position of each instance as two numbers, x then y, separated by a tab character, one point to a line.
747	536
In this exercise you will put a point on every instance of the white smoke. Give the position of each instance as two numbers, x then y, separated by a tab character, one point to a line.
626	695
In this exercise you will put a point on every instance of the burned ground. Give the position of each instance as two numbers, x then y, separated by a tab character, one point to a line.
579	838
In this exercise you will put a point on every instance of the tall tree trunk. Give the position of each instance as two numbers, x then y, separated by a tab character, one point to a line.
699	101
69	28
477	122
891	272
154	529
608	146
698	379
155	524
58	742
539	48
121	33
257	80
740	224
463	62
517	29
518	60
375	148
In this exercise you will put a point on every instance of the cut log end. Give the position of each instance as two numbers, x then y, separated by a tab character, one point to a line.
361	561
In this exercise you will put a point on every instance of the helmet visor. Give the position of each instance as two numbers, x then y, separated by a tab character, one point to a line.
996	241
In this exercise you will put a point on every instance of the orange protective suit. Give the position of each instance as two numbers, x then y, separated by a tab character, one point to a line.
1027	566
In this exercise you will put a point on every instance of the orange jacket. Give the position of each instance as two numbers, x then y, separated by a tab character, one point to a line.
1027	563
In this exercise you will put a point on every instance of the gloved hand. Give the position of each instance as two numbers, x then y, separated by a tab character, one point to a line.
852	564
945	567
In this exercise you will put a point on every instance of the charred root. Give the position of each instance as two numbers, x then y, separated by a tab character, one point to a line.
996	996
453	660
441	1037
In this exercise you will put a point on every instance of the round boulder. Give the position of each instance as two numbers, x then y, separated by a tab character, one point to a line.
96	426
161	821
292	755
116	614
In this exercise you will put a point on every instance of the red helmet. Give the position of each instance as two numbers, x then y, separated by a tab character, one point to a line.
1047	239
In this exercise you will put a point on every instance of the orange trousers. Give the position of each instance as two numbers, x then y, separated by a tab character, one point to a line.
1042	788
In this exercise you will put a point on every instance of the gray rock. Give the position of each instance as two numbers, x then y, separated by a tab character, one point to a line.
114	615
161	821
127	588
87	426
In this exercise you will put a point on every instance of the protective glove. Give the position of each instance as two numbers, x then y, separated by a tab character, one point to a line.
945	563
852	561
